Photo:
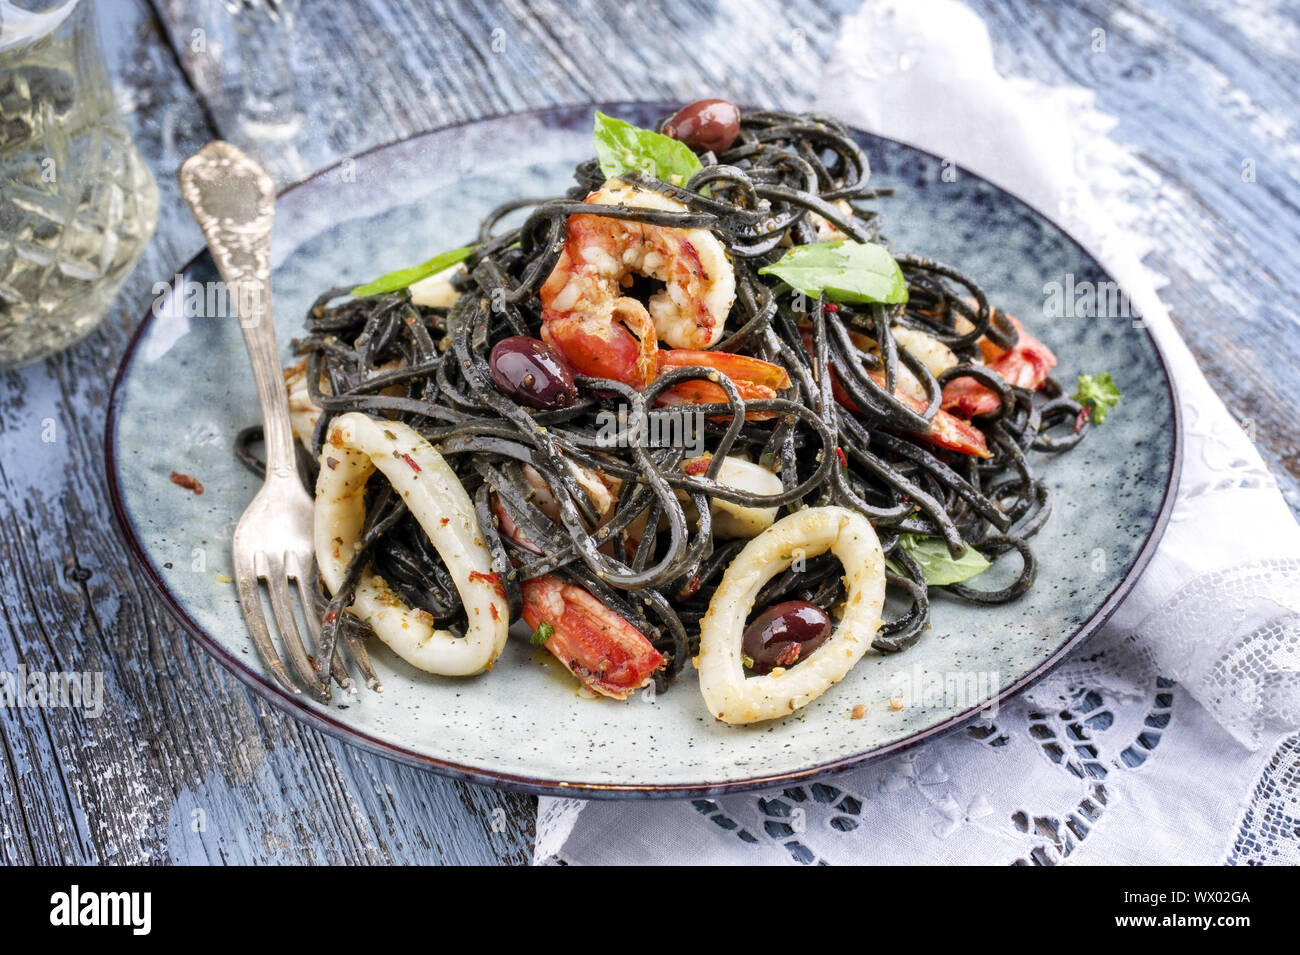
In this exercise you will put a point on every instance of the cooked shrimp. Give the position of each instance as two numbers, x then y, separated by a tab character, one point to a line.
1026	365
945	431
754	378
603	332
606	653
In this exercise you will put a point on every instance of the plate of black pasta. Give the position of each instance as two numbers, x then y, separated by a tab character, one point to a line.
661	449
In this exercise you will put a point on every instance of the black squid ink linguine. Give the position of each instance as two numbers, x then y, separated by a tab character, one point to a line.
874	388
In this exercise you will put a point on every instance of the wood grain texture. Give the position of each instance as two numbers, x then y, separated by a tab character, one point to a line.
187	766
1199	90
184	765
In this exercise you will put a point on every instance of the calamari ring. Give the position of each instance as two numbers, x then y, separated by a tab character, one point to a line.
729	694
356	445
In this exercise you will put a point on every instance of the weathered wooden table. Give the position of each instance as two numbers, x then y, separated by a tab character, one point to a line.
185	765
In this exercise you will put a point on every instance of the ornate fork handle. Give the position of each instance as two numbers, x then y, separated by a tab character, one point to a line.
233	200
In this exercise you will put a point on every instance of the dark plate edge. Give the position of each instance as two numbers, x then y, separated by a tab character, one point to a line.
525	784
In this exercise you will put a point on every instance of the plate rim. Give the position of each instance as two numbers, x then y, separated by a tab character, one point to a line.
272	693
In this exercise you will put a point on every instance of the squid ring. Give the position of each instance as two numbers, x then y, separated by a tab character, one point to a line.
356	446
729	694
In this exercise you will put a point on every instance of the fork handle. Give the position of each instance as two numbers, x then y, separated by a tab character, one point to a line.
233	200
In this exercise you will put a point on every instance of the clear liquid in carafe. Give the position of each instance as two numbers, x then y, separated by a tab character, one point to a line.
77	202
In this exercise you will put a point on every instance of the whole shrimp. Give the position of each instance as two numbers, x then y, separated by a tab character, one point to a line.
604	332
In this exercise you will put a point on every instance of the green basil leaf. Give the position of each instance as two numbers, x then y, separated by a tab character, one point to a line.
1099	393
938	566
846	270
622	148
402	278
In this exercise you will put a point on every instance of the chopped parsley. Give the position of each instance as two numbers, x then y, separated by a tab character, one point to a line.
1098	393
541	634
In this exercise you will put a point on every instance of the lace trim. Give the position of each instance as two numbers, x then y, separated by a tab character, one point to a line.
1269	833
1249	677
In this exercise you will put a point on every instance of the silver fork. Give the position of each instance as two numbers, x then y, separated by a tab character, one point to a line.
233	200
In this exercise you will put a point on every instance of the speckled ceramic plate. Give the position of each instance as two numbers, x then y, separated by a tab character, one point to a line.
184	390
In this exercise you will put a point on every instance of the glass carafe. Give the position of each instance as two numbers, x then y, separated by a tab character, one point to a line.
77	202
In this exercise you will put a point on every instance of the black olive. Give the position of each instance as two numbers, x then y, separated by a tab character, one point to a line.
532	373
784	634
708	125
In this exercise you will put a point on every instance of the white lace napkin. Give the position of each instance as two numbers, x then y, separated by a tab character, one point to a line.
1167	737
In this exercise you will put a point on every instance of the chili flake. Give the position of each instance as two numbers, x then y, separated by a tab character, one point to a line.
1081	418
187	482
697	466
493	578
